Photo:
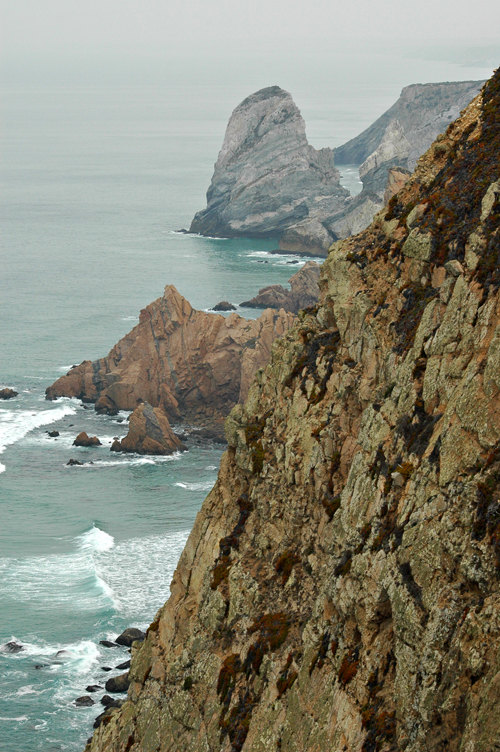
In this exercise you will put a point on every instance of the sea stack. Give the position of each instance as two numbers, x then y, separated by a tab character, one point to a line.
267	176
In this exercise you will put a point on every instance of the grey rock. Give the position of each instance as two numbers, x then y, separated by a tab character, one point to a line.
267	177
93	688
74	462
118	683
108	643
129	636
123	666
224	305
12	647
84	702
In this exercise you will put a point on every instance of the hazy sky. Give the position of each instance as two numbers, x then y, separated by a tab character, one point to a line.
86	26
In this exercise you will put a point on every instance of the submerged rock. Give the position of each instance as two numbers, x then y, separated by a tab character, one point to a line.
93	688
108	643
123	666
84	702
224	305
52	434
82	440
74	462
12	647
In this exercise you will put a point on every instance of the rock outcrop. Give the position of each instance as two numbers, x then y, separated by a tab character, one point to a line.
303	293
84	440
340	589
196	366
149	433
267	177
6	393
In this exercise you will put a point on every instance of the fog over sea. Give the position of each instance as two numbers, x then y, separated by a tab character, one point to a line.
99	172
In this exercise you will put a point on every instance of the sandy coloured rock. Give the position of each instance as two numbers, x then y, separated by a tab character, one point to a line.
303	293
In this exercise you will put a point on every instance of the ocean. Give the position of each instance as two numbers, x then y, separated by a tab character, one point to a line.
97	180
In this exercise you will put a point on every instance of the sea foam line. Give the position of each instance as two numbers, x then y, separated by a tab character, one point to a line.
16	424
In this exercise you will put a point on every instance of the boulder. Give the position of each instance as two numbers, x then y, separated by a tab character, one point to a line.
149	433
110	702
84	702
123	666
118	684
93	688
267	177
83	440
74	462
12	647
303	293
130	635
52	434
7	393
116	446
106	668
224	305
107	643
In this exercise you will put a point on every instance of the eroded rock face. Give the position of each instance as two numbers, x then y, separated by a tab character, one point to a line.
149	433
303	293
267	177
194	365
340	587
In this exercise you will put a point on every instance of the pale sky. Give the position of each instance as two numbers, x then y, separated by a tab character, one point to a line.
87	26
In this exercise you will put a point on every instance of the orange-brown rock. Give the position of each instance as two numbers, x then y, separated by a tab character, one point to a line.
195	365
83	440
396	179
303	293
149	433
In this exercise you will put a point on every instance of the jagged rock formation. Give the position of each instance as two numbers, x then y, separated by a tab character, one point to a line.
406	130
340	587
194	365
303	293
267	177
149	432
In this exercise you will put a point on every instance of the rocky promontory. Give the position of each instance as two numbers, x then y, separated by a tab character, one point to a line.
340	589
267	177
194	365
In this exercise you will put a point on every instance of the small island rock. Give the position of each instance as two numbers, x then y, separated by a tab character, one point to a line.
224	305
149	433
84	440
7	393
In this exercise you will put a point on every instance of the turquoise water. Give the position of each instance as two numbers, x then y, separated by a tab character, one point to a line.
96	183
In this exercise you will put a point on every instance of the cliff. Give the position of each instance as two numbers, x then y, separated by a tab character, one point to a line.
406	130
340	587
194	365
267	177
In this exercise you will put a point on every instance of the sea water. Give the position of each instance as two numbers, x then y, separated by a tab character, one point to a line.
97	182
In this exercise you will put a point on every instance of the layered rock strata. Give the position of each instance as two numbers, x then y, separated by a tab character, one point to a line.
405	130
149	433
340	587
267	177
303	292
196	366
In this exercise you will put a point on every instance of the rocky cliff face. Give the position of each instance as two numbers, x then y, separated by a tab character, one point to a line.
194	365
340	588
267	177
406	130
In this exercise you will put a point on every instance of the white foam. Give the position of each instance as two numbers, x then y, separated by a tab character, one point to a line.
130	318
96	540
19	718
16	424
205	486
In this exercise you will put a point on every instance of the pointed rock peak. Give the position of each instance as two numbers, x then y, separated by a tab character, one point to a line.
269	92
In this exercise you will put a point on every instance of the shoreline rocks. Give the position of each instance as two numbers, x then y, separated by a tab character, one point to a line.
83	440
224	305
130	635
7	393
